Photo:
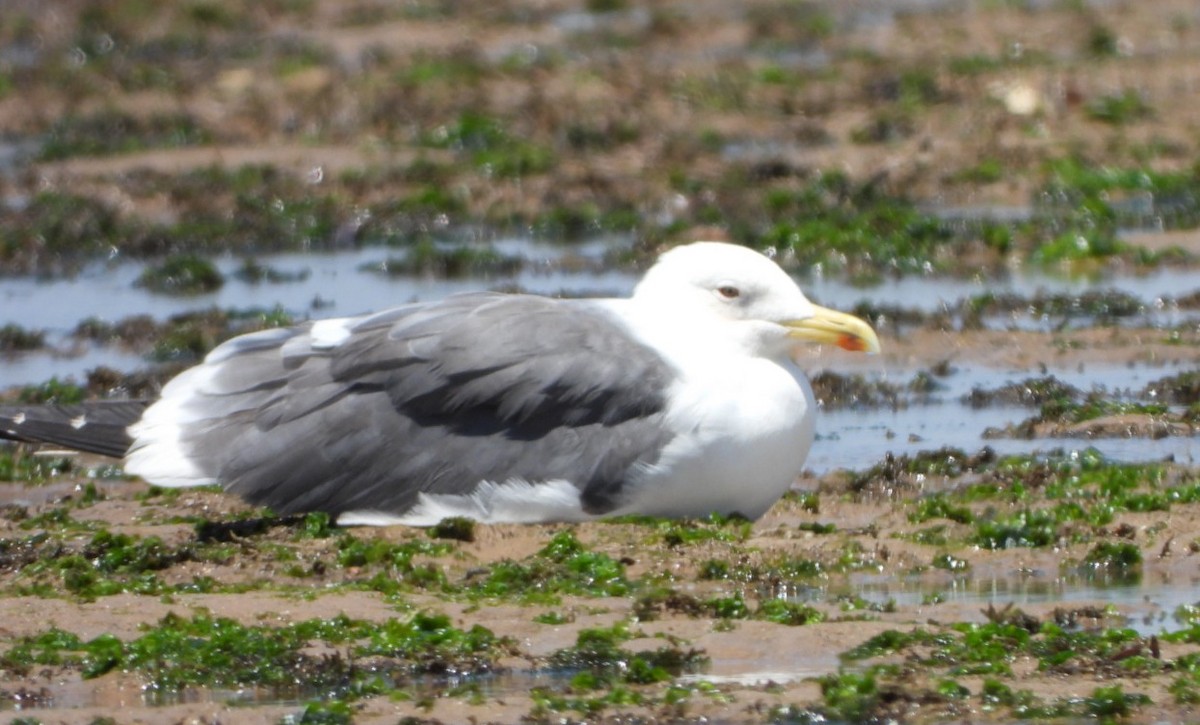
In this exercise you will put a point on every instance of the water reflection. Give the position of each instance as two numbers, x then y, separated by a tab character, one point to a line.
1146	607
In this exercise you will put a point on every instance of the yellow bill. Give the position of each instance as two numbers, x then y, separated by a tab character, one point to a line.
830	327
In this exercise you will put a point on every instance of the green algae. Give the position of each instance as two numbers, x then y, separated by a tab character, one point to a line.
792	614
676	533
17	466
780	568
56	227
991	648
254	272
14	338
428	258
455	528
598	654
563	567
104	565
831	222
491	148
184	274
114	132
1120	109
207	651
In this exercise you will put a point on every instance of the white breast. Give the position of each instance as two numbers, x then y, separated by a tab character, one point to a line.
743	433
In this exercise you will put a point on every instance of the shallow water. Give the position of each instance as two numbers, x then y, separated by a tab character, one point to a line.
335	284
858	438
1147	607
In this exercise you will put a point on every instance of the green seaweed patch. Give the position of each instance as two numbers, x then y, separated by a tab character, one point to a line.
780	569
1064	412
990	648
855	603
950	562
207	651
1185	688
651	604
431	644
1104	196
585	220
946	462
1026	528
455	528
849	696
55	226
1188	614
181	338
54	390
714	527
1028	392
563	567
816	528
1078	245
1105	703
836	224
733	607
1114	557
986	171
19	466
429	258
14	338
552	617
313	525
940	506
1104	306
1120	109
459	68
327	712
792	614
835	391
115	132
254	272
57	520
929	536
600	660
397	564
1180	389
491	148
107	564
583	697
184	274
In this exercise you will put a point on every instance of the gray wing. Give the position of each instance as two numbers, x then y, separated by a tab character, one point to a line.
434	398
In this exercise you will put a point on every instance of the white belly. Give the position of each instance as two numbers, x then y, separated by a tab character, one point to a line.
743	436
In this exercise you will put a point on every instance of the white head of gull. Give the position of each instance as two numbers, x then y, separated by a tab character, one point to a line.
679	401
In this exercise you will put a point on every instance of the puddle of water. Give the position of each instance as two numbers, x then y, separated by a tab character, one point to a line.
110	291
36	367
335	283
1148	607
856	439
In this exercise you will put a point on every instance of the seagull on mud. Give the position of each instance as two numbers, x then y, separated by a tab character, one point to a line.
681	400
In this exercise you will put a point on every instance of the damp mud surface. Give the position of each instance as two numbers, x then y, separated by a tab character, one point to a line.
999	519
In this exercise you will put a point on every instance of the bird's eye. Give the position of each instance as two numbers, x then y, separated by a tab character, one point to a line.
729	292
